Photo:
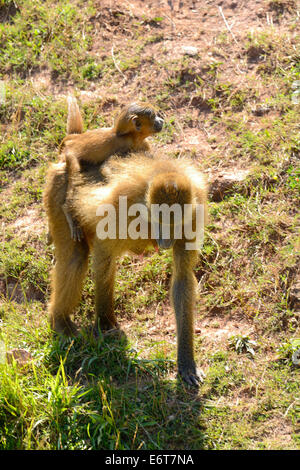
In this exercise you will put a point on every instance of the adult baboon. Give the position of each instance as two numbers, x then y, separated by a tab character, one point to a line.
137	179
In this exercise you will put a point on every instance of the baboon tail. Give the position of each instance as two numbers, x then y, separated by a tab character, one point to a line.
74	121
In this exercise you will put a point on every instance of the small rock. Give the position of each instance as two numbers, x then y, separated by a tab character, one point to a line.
190	50
194	140
223	181
261	110
21	356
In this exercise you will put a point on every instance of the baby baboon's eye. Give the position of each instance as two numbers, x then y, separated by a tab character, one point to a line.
138	124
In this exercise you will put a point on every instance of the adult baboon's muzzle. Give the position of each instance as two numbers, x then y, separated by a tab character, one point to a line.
165	243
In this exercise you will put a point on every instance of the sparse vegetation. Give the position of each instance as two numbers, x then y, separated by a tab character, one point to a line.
229	107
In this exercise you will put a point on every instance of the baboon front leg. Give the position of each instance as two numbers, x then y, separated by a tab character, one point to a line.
104	267
183	293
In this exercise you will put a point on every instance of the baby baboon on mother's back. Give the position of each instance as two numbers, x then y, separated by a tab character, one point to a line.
80	150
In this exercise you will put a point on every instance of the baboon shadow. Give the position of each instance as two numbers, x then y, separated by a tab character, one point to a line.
139	386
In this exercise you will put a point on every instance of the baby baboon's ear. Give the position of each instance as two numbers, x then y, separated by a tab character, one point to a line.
137	123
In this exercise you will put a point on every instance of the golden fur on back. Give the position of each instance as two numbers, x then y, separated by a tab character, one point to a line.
123	177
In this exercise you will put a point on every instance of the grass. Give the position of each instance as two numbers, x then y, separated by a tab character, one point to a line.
122	392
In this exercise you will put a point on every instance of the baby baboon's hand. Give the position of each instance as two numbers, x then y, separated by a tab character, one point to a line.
75	229
76	232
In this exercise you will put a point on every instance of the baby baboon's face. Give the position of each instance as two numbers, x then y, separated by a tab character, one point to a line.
146	119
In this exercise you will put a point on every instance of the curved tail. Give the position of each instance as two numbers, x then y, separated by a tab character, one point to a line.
74	121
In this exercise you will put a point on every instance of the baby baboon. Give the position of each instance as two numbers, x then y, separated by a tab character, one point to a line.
144	183
135	123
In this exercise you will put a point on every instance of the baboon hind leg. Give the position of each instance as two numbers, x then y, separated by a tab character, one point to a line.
67	281
104	267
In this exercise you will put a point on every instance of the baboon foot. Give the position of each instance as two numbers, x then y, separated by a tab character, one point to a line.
115	332
107	327
190	374
64	326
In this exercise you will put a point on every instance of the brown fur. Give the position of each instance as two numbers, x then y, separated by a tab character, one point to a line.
143	180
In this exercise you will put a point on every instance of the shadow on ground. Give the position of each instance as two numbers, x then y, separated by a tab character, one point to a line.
133	395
